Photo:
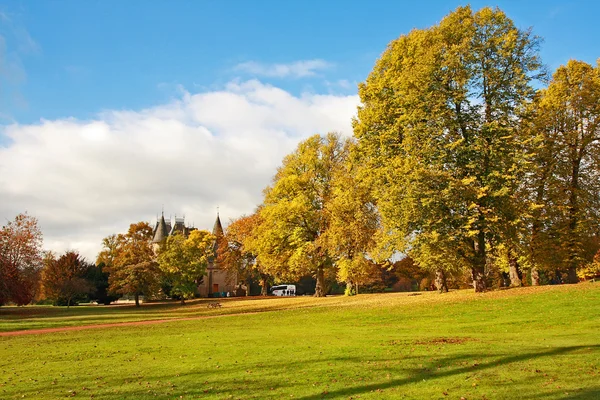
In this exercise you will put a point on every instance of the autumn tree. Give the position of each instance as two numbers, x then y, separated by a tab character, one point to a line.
20	260
134	269
63	279
439	129
237	256
184	261
110	247
290	240
565	181
353	223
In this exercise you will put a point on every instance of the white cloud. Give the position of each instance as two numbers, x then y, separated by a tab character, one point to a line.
87	179
297	69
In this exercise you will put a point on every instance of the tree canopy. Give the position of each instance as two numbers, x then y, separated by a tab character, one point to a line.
439	128
20	260
184	261
134	269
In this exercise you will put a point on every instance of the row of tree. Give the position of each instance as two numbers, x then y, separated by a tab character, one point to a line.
461	160
466	159
27	273
127	265
174	268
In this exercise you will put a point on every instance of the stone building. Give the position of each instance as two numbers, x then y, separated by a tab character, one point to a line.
216	281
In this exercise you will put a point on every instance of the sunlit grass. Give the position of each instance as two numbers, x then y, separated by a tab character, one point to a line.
524	343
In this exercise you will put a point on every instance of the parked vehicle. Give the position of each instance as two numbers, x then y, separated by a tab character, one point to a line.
283	290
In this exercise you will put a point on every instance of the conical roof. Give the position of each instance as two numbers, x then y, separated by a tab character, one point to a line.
218	228
161	231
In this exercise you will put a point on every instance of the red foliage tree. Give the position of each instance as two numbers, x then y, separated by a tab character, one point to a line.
20	260
64	279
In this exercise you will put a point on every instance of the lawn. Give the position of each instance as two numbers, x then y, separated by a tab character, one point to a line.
531	343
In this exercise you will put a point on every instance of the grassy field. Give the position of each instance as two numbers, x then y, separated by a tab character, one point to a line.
531	343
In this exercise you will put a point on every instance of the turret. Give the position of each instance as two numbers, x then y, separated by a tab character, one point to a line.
161	231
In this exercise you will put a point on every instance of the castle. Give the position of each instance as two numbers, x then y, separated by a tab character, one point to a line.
216	281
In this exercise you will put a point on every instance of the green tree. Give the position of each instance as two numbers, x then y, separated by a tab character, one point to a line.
439	128
63	279
134	269
98	277
290	241
184	261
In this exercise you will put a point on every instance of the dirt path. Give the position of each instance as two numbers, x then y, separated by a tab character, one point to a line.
116	324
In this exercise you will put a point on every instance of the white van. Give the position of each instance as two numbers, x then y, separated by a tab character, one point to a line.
283	290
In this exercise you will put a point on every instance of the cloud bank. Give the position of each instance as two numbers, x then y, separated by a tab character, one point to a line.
84	180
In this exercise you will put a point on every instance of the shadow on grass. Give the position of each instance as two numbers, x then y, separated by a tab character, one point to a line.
357	390
585	394
271	382
35	318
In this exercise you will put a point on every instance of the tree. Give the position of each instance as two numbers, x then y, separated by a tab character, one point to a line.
110	247
290	240
63	279
184	261
20	260
439	128
353	223
237	255
98	277
567	164
134	269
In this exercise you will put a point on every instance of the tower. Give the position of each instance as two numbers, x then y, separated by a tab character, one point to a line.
160	233
213	263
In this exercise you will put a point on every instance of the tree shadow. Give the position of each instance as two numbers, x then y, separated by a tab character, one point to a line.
268	382
357	390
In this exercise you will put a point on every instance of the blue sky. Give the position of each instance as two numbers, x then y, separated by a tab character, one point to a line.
110	110
89	56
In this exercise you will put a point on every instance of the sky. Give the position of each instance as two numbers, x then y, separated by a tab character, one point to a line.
112	110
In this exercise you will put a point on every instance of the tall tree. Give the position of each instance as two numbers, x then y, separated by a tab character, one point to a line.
290	240
134	269
567	204
439	128
64	280
20	260
353	223
184	261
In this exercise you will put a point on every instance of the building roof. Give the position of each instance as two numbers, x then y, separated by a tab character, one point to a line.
218	228
161	232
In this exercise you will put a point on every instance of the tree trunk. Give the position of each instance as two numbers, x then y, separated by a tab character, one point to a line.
478	279
247	284
513	269
320	288
573	239
264	286
350	289
137	299
440	281
535	276
478	268
182	301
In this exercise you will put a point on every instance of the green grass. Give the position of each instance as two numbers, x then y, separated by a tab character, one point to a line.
541	343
